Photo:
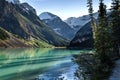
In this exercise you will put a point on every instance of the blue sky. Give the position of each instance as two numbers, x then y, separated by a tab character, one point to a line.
64	8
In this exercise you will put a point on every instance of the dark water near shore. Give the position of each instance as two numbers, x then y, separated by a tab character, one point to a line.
29	64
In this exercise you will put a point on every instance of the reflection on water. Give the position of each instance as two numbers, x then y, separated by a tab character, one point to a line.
28	64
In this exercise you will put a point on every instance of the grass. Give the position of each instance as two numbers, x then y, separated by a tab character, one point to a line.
39	43
9	40
3	34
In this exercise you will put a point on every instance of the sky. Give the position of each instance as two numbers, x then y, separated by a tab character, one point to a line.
64	8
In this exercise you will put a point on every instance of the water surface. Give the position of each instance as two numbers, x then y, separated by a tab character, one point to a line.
31	64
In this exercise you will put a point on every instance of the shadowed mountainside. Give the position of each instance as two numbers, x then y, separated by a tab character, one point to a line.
21	20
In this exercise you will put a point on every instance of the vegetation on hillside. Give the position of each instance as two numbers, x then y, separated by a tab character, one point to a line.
27	26
3	34
7	39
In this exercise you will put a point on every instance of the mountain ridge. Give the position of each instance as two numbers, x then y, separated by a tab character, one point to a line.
27	25
59	26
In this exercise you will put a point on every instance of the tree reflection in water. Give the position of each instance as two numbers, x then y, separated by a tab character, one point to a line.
90	67
86	67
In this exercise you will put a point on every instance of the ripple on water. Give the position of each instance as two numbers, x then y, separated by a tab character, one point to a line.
67	74
116	71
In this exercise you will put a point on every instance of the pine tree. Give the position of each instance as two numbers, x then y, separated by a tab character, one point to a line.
115	25
93	23
102	42
115	4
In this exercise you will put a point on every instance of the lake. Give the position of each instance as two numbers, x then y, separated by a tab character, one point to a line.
37	64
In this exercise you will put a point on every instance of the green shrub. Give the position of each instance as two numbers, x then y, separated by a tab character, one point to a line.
3	34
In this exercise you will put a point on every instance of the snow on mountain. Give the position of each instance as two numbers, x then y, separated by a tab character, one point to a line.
14	1
47	15
10	1
72	21
27	8
95	15
59	26
77	23
84	36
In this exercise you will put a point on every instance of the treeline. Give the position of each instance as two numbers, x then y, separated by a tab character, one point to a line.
106	32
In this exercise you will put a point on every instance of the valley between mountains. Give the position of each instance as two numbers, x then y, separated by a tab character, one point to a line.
20	26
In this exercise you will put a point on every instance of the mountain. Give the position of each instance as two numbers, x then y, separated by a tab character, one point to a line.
21	20
14	1
25	7
8	40
83	38
59	26
77	23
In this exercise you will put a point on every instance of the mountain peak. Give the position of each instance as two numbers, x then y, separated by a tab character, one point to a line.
14	1
47	15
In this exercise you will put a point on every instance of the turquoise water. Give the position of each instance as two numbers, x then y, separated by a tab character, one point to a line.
31	64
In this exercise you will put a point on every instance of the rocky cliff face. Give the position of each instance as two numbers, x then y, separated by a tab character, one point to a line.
8	40
21	20
13	1
59	26
78	22
25	7
83	38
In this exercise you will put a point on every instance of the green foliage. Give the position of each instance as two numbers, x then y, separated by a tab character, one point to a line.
106	42
103	39
115	26
38	43
115	4
93	23
90	67
106	36
42	44
3	34
103	35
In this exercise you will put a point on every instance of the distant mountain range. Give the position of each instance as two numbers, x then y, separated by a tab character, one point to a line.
22	22
14	1
84	36
78	22
78	30
59	26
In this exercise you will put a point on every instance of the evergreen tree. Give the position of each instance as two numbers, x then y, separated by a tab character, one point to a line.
102	39
115	25
93	23
115	4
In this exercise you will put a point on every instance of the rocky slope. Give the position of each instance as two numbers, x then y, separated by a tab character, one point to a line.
8	40
59	26
83	38
21	20
14	1
79	22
